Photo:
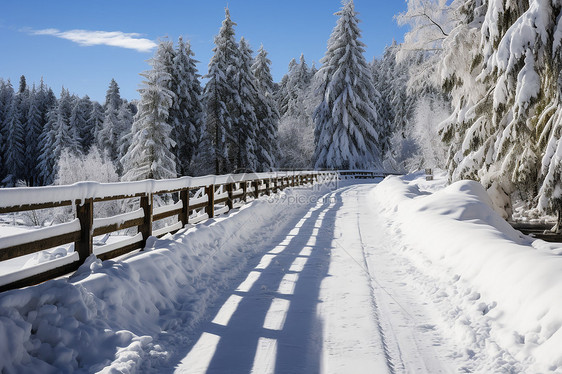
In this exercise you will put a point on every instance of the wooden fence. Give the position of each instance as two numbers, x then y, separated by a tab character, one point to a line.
193	200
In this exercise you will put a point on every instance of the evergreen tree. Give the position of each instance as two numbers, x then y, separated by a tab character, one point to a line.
47	158
186	114
33	129
7	95
15	144
95	121
80	119
58	135
267	113
125	118
345	132
283	93
220	95
245	123
107	137
149	155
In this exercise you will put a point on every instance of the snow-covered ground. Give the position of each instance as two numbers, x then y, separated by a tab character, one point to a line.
406	276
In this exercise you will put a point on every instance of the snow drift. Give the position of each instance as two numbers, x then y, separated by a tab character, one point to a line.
105	316
510	282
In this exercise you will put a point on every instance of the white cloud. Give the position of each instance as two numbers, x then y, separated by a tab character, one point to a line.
112	38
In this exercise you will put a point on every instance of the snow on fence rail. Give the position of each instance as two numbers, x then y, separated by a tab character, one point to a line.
196	199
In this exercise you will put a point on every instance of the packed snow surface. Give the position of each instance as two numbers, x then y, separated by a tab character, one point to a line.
406	276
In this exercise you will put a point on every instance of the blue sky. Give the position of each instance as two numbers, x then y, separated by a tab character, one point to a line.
38	38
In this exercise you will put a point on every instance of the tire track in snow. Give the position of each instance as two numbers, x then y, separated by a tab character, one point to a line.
393	363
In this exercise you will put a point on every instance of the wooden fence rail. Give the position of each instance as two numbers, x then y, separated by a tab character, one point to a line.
193	203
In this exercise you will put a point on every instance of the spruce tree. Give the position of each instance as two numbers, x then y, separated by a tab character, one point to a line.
149	156
346	134
187	112
80	119
220	95
266	112
7	95
33	129
14	154
245	122
107	137
58	136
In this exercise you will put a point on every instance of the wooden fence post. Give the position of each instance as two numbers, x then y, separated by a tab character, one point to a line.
210	190
85	214
293	180
256	184
244	190
267	187
184	215
146	228
230	190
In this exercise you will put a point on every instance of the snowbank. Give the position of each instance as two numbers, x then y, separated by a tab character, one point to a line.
511	284
105	316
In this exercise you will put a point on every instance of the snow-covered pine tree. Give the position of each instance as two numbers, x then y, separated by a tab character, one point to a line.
266	112
283	94
80	119
204	158
220	94
297	89
6	96
125	120
57	136
245	122
95	121
186	113
506	95
149	156
107	137
346	131
298	101
33	129
14	154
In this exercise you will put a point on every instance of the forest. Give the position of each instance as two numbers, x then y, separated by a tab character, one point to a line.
474	89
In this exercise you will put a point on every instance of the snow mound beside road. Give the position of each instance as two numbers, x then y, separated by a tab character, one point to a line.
510	292
105	316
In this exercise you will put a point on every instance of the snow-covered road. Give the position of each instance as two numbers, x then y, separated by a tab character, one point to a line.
404	276
327	297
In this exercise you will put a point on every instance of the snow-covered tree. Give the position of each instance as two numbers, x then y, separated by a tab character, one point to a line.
125	120
14	154
346	131
220	94
107	137
297	100
245	123
501	67
80	119
186	114
93	166
33	129
266	112
57	136
149	156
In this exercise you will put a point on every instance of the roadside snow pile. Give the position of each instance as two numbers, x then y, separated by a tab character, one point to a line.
105	317
506	287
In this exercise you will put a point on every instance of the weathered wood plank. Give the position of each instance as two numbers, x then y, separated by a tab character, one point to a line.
23	208
38	245
175	212
117	227
120	251
42	277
